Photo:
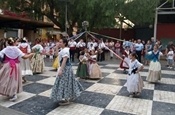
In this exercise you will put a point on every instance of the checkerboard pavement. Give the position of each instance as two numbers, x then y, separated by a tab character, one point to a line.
107	96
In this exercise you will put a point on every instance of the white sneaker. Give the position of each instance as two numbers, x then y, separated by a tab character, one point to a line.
13	98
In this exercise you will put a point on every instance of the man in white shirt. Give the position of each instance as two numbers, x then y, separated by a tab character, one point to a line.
72	45
111	46
89	43
95	45
139	48
80	47
101	47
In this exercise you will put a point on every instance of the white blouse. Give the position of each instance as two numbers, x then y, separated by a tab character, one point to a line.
134	64
64	53
12	52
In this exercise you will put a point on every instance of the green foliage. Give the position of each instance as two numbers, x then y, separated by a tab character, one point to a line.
140	12
99	13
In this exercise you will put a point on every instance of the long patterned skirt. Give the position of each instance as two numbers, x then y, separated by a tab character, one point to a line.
25	67
154	72
82	71
37	63
66	86
10	81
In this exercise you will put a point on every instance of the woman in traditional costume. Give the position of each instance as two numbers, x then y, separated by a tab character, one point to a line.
66	87
37	61
125	62
134	80
10	73
56	63
155	66
82	70
94	69
25	63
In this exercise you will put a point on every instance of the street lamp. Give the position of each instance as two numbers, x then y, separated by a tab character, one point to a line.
85	25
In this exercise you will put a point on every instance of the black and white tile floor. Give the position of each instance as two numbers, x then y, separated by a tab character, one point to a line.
107	96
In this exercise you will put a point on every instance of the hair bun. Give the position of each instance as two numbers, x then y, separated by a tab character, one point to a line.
10	41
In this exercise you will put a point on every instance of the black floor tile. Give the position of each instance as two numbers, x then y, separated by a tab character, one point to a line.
164	87
94	99
146	94
37	105
160	108
119	72
168	76
111	81
85	84
144	70
35	77
110	112
36	88
143	78
108	67
105	74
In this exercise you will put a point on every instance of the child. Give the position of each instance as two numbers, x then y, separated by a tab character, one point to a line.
170	58
134	80
82	70
51	53
94	69
125	63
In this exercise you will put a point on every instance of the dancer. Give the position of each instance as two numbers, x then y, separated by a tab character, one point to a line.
82	70
37	61
155	66
94	69
134	80
56	63
10	73
66	87
25	63
125	62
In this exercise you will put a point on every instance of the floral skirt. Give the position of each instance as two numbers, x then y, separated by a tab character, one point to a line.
82	70
10	80
154	72
37	63
25	67
66	86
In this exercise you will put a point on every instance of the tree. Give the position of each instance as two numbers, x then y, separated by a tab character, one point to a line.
98	13
140	12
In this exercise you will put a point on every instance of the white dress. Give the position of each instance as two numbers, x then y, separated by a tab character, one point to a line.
154	68
134	81
25	63
95	72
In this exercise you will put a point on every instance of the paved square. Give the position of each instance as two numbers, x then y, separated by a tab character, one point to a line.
106	96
